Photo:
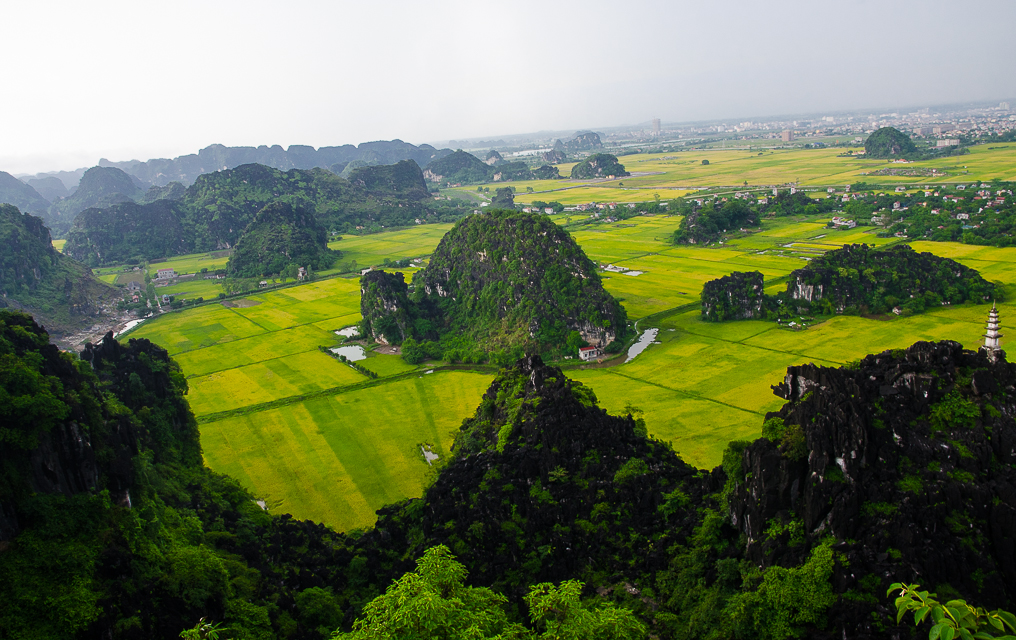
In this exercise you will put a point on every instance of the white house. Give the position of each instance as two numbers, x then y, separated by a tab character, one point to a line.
589	353
165	274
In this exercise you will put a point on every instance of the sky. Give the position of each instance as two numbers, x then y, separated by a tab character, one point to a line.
125	80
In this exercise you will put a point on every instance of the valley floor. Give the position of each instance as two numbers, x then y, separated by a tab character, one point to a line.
318	439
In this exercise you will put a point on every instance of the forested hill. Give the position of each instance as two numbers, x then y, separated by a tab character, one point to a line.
505	282
860	277
462	167
897	469
187	169
99	187
17	193
37	278
213	212
280	235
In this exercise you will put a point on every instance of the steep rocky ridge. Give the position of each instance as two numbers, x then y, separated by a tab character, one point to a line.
599	165
21	195
739	296
907	460
859	275
506	280
217	157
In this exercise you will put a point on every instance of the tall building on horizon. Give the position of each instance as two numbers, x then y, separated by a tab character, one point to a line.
656	126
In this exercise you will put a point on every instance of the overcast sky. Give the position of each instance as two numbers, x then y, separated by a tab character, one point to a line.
122	80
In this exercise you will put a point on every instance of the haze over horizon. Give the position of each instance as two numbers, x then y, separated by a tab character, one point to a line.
121	80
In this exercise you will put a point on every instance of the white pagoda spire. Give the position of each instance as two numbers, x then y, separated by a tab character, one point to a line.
991	339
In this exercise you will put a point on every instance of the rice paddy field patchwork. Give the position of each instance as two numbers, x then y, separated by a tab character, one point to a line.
338	456
337	459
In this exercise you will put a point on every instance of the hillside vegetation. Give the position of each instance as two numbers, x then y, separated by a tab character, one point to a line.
465	168
501	282
281	235
24	197
888	142
599	165
214	211
37	278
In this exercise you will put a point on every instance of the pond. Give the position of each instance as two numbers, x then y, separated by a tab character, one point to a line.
348	332
646	339
353	352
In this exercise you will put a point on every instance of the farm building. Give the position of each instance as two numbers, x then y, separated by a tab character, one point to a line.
165	274
589	353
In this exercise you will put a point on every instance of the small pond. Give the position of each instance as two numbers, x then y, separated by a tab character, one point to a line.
352	352
646	339
348	332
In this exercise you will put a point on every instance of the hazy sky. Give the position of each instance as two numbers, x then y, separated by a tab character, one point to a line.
123	80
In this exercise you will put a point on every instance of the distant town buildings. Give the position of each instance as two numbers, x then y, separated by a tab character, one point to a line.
165	274
947	142
787	135
656	126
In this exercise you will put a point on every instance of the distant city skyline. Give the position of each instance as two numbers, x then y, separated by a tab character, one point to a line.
124	80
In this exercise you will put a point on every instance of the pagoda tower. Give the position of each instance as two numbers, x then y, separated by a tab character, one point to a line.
991	344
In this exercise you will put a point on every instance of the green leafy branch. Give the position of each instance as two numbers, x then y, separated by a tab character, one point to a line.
954	619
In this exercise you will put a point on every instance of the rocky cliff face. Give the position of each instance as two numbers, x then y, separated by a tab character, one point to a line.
739	296
908	461
385	306
860	276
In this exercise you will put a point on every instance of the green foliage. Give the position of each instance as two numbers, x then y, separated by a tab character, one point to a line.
203	631
738	296
707	224
499	285
432	602
862	278
504	198
599	165
888	142
280	238
953	411
954	619
787	600
219	206
630	470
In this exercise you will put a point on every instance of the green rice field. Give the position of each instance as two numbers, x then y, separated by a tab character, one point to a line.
320	440
671	174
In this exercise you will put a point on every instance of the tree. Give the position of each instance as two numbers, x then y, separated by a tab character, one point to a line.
705	162
432	602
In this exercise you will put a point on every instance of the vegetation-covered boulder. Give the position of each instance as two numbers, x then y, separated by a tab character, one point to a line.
171	191
458	167
37	278
863	278
888	142
493	158
599	165
708	223
385	307
739	296
583	141
281	235
403	180
24	197
510	280
554	156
